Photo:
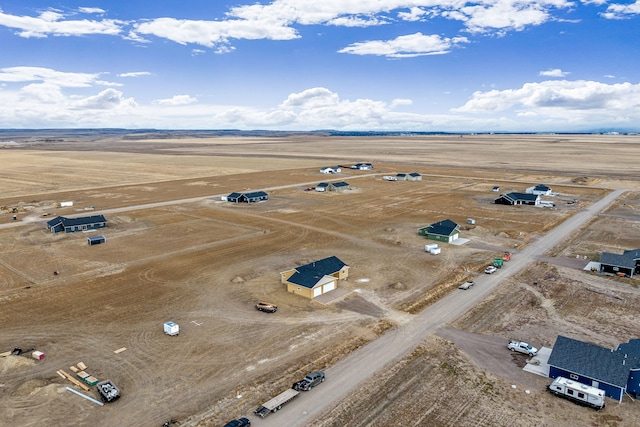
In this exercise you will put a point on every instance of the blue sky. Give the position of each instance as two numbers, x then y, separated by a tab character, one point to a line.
421	65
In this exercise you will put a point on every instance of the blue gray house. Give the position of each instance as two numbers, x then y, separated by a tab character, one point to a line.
70	225
628	263
252	197
615	371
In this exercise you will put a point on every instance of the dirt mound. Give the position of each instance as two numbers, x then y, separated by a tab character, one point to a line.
398	286
585	180
30	387
237	279
10	363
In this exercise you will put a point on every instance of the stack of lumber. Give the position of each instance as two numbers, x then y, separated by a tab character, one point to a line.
69	377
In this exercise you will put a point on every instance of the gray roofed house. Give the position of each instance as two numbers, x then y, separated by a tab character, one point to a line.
251	197
518	199
339	186
70	225
614	372
414	176
443	231
316	278
628	263
323	186
401	176
540	189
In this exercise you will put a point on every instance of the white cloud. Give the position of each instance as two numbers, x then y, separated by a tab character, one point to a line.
51	22
105	100
176	100
47	75
411	45
556	72
135	74
558	98
95	10
622	11
414	14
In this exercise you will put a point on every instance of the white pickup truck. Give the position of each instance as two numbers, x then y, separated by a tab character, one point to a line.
522	347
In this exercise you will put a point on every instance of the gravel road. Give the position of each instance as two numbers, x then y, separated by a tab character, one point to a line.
360	365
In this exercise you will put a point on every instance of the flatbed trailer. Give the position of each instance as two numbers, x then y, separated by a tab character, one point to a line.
276	403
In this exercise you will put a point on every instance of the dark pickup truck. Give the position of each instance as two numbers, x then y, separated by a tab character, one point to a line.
310	381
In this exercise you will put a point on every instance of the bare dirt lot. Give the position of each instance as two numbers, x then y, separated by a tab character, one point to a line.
205	263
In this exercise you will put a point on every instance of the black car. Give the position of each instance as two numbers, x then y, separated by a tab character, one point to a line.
241	422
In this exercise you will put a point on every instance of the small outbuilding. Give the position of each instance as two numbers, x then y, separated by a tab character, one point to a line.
401	177
171	328
316	278
362	166
331	170
414	176
96	240
323	186
540	190
339	186
442	231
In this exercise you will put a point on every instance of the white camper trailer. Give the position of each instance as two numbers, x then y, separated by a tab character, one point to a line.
171	328
577	392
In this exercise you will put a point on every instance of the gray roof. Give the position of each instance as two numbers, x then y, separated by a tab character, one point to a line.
414	174
541	187
340	184
310	274
627	259
323	184
255	194
521	196
70	222
592	361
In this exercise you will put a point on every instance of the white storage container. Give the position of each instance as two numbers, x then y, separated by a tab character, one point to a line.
434	251
430	246
171	328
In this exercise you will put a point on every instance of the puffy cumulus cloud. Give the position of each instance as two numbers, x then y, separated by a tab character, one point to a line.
586	102
411	45
52	22
108	99
414	14
176	100
622	11
47	75
312	98
504	15
556	72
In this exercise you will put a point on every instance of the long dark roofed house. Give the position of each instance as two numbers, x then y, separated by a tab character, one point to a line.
316	278
252	197
628	263
615	371
518	199
70	225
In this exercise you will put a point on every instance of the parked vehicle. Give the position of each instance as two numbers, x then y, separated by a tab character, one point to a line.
240	422
522	347
466	285
108	391
310	381
579	393
490	270
276	403
497	262
266	307
506	256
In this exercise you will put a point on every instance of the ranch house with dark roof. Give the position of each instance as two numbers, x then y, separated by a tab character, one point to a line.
628	263
615	371
252	197
514	199
442	231
316	278
71	225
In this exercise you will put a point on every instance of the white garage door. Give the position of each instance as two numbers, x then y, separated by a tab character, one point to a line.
328	287
317	291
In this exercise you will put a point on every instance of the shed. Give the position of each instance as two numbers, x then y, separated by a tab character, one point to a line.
171	328
339	186
96	240
442	231
316	278
401	177
414	176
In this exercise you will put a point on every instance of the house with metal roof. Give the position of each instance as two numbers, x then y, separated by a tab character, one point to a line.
515	199
339	186
71	225
615	371
251	197
540	190
331	169
442	231
362	166
414	176
323	186
628	263
316	278
401	177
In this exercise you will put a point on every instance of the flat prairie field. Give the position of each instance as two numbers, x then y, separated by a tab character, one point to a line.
175	250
